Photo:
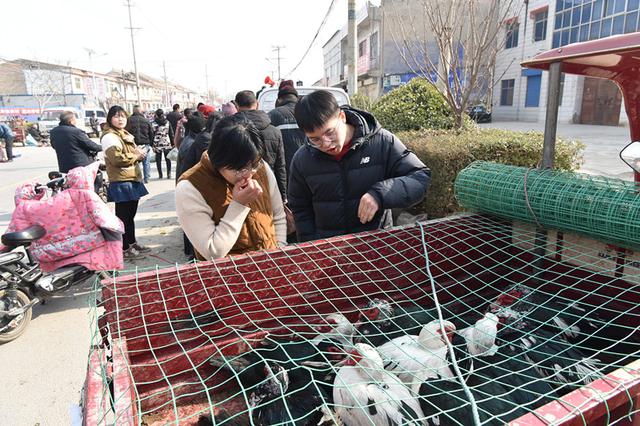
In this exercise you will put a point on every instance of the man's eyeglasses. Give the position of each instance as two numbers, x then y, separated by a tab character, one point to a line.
328	136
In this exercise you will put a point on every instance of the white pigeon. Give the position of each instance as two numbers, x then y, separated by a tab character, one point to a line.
481	337
335	327
417	358
364	393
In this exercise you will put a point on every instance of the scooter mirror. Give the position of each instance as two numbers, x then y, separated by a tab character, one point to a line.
631	155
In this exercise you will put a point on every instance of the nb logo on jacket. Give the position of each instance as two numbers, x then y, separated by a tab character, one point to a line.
365	160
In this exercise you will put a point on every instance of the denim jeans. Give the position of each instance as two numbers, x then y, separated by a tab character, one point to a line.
8	145
146	165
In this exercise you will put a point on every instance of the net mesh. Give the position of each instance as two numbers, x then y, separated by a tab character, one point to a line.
236	341
604	208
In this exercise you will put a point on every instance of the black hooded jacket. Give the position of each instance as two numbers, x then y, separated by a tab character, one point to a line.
292	137
140	128
324	194
274	149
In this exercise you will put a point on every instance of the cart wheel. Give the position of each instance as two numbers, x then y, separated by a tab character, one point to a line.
13	327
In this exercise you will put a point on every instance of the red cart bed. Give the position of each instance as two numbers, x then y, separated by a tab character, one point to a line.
159	328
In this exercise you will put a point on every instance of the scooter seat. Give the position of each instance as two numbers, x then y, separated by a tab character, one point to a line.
21	238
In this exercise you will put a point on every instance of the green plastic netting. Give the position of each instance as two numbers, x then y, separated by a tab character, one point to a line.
172	345
604	208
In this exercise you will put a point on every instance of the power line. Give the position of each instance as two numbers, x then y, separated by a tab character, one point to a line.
324	21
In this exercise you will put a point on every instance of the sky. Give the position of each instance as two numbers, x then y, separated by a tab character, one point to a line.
229	41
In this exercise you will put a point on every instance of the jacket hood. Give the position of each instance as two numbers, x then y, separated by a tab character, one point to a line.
258	117
83	177
366	126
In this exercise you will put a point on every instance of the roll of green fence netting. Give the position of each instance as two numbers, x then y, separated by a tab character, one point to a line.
607	209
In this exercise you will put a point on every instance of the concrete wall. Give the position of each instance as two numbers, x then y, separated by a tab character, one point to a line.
508	64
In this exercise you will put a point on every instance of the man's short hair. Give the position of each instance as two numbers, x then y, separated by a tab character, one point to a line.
66	117
176	107
136	108
315	110
245	99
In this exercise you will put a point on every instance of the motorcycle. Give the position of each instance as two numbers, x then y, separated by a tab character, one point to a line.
23	284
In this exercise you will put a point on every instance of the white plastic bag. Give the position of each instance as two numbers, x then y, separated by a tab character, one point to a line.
173	154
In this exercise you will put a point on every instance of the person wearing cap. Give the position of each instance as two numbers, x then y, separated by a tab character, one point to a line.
273	147
283	119
205	110
229	109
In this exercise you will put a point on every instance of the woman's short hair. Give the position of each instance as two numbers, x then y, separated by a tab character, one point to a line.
115	110
236	143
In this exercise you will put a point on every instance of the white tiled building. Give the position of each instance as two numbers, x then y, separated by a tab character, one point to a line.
539	25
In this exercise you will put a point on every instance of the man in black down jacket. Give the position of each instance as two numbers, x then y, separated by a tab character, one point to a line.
73	146
142	131
350	173
274	149
283	119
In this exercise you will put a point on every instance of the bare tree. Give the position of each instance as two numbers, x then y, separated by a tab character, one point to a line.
44	81
452	44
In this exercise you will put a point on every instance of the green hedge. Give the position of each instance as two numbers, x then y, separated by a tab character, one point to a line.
361	101
416	105
448	152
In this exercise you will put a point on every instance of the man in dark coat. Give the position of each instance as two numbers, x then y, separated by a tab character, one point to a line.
283	119
142	131
247	105
351	172
174	116
73	146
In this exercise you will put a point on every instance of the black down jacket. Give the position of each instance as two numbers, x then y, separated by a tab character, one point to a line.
140	128
274	150
292	137
324	194
73	147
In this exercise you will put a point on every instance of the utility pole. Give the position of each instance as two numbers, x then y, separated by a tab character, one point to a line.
277	49
166	85
133	49
352	49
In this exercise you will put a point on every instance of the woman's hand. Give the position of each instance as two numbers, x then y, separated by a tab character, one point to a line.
247	193
141	153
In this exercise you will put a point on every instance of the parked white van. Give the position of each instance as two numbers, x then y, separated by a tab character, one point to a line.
267	98
50	117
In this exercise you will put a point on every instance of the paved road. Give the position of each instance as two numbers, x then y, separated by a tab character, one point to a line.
603	143
43	371
33	165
